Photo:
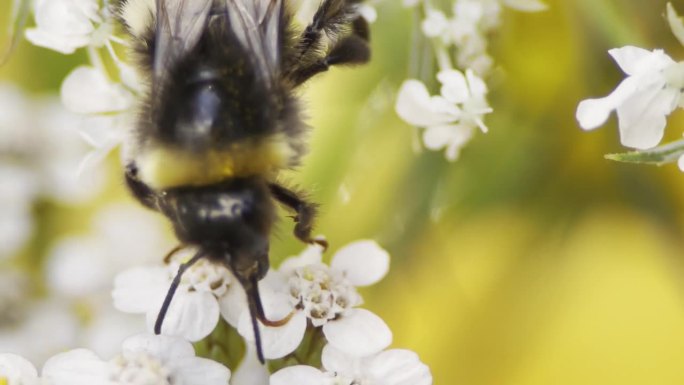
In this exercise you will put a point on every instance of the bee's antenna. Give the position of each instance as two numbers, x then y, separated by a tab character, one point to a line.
173	288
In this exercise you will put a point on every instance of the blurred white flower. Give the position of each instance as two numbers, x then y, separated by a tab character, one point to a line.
65	25
651	91
16	370
107	328
368	12
61	151
34	337
327	296
390	367
96	258
144	360
18	189
206	291
449	119
16	125
676	23
106	107
14	291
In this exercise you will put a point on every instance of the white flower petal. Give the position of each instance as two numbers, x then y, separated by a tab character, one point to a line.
641	118
438	137
86	90
399	367
416	107
363	262
368	12
335	360
592	113
101	130
276	341
233	304
526	5
477	86
76	367
192	315
634	60
17	370
81	257
299	375
60	44
250	371
359	333
676	23
165	348
140	289
311	255
195	370
454	86
435	23
680	163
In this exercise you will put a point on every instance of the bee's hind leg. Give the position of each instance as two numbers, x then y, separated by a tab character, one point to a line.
305	213
349	35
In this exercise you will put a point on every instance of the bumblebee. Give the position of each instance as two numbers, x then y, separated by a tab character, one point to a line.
220	120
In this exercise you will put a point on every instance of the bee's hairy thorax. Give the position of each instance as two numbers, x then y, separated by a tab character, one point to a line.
215	116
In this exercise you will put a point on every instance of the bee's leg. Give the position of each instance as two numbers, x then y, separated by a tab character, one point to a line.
140	190
306	213
333	18
350	50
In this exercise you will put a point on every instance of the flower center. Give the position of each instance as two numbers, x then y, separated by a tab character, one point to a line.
322	293
204	276
139	369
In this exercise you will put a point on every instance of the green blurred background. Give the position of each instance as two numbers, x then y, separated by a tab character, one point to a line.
531	260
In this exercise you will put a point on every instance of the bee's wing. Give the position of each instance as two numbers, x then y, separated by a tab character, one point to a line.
257	24
180	24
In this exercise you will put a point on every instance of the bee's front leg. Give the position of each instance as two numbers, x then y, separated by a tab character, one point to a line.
305	213
140	190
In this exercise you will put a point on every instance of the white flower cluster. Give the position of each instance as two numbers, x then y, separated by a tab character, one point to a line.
144	360
40	149
316	296
104	105
651	91
450	120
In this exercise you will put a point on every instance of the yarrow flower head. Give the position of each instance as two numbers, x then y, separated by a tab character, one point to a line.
144	360
451	118
390	367
326	296
206	291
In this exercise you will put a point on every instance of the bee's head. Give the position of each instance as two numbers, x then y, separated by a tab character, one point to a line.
230	218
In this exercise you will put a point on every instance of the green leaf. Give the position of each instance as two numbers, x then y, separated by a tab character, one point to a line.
19	15
668	153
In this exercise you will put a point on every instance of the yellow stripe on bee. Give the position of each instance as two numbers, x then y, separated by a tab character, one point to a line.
167	167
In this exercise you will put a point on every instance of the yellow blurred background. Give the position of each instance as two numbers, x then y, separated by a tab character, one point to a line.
531	260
